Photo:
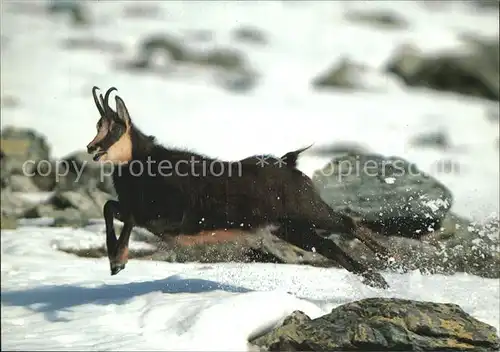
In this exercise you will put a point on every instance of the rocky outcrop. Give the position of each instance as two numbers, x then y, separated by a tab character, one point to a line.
473	71
389	194
20	148
379	19
410	213
250	35
166	54
73	171
71	208
383	324
347	75
458	246
436	139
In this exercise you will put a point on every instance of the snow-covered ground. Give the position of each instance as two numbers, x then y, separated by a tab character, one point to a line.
55	301
52	300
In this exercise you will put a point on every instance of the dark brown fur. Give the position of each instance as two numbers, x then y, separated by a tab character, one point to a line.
233	195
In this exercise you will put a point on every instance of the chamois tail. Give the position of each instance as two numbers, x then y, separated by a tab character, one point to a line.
291	158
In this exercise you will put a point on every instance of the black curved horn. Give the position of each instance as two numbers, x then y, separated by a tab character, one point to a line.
96	101
106	99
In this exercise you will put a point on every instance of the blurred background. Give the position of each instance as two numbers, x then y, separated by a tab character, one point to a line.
412	79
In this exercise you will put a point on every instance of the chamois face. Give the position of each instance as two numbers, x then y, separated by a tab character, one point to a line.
112	142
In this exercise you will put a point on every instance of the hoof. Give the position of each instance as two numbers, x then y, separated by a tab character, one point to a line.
116	268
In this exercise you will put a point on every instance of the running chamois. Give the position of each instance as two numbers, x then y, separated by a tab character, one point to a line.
173	192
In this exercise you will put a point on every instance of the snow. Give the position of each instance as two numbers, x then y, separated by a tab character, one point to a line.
52	300
56	301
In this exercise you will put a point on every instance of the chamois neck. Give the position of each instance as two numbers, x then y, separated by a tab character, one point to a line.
142	144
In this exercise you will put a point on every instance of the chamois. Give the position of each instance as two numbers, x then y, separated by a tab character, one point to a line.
189	199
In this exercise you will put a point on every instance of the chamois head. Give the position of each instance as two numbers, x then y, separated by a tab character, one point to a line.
113	141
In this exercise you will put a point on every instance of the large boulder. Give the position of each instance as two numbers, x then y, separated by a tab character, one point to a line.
409	213
346	75
170	55
389	194
71	207
250	35
13	204
379	19
73	171
473	71
458	246
383	324
21	148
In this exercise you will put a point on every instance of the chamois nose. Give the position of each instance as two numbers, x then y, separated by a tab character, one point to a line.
116	268
91	149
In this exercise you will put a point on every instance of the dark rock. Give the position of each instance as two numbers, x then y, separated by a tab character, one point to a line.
237	81
389	194
227	59
249	35
168	55
437	139
13	204
22	146
159	45
82	170
70	217
473	72
74	10
4	172
348	75
344	75
458	246
176	52
73	171
74	207
487	4
43	175
229	67
385	324
381	19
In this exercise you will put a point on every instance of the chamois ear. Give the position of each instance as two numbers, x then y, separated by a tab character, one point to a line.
122	111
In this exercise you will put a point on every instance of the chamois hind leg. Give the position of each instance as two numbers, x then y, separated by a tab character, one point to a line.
325	218
117	248
303	235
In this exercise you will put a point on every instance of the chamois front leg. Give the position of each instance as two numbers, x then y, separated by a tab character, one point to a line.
119	257
111	211
117	248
